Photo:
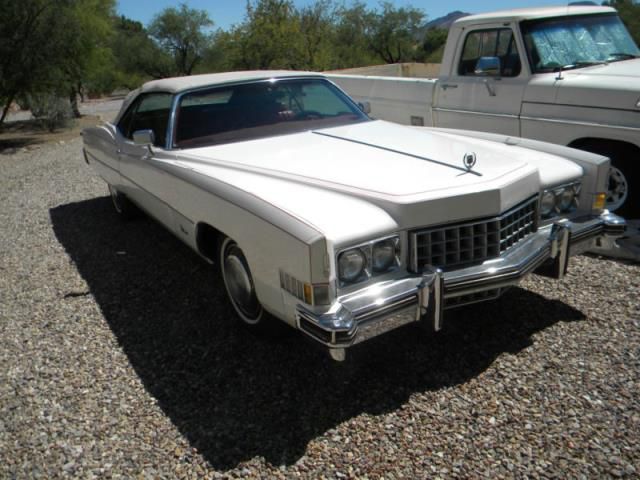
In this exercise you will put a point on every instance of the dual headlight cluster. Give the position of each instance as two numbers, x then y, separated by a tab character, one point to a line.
360	263
559	200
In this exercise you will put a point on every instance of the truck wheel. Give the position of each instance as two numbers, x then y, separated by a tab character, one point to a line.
617	189
125	209
241	291
623	190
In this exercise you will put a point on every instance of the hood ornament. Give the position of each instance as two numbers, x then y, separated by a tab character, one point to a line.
469	160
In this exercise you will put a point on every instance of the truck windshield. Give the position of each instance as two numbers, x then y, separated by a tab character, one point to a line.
578	41
261	109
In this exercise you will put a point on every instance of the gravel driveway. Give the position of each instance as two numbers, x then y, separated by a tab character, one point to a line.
119	358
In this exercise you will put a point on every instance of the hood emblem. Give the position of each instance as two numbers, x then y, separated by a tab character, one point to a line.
469	160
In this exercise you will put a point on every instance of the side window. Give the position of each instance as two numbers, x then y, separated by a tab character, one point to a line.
148	112
494	43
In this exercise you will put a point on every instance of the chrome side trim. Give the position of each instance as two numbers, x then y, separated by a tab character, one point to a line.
481	114
579	123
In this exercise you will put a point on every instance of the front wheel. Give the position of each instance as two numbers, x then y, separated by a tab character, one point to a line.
240	287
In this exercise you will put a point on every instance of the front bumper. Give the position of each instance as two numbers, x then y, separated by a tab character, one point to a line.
387	305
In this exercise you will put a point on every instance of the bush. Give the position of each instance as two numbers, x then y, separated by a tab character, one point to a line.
50	110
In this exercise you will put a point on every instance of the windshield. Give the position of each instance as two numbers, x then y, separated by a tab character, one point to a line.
579	41
261	109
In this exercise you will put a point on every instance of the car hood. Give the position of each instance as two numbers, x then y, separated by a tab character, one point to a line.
374	158
613	86
355	182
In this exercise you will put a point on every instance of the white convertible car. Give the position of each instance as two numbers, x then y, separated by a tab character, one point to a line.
343	226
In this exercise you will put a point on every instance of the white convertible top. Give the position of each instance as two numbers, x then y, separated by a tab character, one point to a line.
519	14
181	84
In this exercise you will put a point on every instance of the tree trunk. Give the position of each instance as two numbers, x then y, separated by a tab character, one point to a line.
73	99
5	110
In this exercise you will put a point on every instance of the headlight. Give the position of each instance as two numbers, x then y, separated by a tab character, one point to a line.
565	199
384	254
547	203
360	263
351	265
559	200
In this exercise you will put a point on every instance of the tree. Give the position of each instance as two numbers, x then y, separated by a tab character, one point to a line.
393	32
29	50
136	55
88	58
317	35
268	38
351	42
433	45
180	31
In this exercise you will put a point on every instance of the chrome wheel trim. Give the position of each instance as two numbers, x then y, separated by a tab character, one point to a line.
618	189
115	199
239	284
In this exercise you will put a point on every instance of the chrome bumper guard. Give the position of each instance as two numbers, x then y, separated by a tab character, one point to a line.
423	297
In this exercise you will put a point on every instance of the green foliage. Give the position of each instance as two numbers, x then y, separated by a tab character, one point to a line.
136	55
29	47
630	14
433	45
393	32
351	45
268	38
180	32
50	110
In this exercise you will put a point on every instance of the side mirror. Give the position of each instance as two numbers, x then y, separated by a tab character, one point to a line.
488	67
144	137
365	107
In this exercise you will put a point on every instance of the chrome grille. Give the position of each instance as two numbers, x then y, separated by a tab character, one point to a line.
463	244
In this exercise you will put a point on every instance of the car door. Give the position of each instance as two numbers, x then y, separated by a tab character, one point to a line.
143	179
485	86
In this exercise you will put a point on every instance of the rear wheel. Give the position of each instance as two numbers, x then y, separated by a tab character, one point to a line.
122	205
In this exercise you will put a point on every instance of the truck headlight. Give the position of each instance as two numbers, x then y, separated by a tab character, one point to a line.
359	263
559	200
351	265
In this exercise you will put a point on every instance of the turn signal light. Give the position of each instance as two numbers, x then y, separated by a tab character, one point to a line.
599	201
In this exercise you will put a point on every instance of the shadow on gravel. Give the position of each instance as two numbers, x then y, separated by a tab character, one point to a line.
234	396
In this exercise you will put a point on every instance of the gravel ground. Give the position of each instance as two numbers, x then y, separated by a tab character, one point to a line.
119	358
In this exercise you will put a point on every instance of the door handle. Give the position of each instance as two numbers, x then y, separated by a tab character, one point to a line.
490	89
448	85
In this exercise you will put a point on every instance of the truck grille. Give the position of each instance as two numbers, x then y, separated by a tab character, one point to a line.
462	244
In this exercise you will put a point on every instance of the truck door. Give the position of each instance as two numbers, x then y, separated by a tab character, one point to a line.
485	84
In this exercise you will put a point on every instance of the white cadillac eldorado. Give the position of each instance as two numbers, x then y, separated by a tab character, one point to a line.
342	226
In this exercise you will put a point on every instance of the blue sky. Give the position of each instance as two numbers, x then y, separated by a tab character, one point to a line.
228	12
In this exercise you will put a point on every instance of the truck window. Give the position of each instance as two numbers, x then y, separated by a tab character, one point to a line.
498	42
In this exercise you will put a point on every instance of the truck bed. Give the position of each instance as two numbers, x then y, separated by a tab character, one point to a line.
403	100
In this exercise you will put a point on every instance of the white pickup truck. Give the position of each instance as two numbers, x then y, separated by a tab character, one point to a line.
566	75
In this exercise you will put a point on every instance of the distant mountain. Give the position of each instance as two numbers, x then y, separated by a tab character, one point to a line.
444	22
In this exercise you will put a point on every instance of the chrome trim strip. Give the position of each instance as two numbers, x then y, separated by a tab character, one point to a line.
392	150
482	114
580	124
94	158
